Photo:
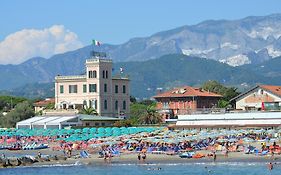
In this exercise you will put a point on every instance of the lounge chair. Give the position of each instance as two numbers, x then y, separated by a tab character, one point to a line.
84	154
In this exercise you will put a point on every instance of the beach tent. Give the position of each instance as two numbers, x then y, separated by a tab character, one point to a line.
59	122
28	122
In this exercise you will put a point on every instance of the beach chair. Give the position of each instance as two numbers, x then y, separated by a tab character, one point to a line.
116	153
84	154
264	152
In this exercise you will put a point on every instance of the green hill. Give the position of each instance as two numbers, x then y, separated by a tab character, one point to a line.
171	71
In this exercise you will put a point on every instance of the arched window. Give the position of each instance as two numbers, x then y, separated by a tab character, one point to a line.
90	74
106	74
105	104
96	104
94	74
116	105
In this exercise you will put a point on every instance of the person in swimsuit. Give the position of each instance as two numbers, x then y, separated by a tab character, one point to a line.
270	166
144	157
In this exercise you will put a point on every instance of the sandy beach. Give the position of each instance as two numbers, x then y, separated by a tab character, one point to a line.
131	158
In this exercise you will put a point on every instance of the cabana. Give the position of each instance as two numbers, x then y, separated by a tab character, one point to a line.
28	122
48	122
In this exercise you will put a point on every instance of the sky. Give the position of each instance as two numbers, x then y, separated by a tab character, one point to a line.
30	28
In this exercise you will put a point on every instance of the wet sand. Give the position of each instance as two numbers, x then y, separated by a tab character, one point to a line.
164	159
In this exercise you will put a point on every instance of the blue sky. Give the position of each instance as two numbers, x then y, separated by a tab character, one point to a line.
116	21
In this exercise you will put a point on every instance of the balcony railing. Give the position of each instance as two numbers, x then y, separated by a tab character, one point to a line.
207	111
70	77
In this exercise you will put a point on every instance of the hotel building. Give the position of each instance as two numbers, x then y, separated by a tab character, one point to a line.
109	95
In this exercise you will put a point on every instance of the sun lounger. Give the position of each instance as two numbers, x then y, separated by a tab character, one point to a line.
84	154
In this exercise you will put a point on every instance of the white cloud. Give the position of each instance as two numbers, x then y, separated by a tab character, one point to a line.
22	45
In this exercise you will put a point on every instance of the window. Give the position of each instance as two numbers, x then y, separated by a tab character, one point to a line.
90	103
102	124
92	88
84	103
84	88
105	87
106	74
72	89
105	104
87	124
116	89
61	89
97	124
124	105
124	89
103	74
116	105
95	104
92	74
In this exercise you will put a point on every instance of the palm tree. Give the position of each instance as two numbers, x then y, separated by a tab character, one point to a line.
151	116
88	111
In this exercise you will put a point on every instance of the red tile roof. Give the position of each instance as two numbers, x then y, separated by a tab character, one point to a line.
273	89
187	91
44	102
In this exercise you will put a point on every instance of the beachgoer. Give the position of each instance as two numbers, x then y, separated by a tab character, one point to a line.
3	156
226	153
39	154
109	156
215	157
139	156
270	166
272	155
143	156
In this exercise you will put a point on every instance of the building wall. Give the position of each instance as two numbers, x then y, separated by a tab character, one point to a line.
121	97
254	99
69	98
171	107
207	102
104	95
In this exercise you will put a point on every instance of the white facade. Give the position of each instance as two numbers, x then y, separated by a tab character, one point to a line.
96	89
230	120
254	99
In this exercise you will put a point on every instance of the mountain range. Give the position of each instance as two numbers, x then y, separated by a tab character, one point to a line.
174	70
245	51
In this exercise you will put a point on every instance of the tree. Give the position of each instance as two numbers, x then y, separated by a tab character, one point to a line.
150	116
21	112
88	111
50	106
148	102
137	109
215	87
123	123
133	99
227	92
8	102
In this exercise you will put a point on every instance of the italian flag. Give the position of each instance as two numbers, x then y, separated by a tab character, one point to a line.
96	43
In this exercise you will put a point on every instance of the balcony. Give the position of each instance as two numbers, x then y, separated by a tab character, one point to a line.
73	77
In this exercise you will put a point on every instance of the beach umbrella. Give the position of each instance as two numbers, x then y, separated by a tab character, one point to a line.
85	130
